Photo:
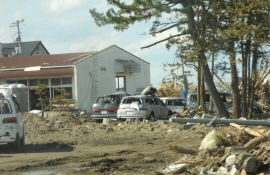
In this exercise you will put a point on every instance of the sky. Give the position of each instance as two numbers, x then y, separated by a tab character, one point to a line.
66	26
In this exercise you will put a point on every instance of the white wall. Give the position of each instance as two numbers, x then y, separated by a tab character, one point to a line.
105	83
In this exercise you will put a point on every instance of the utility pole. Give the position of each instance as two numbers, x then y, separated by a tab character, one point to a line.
17	23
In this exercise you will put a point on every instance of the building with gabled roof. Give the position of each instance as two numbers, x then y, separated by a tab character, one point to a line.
27	48
84	75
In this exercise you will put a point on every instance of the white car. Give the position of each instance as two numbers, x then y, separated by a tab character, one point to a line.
176	104
143	107
11	125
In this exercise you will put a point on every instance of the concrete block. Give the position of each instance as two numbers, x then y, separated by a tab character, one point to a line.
240	159
250	165
235	150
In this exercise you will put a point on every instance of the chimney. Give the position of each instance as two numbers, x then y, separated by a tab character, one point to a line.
1	50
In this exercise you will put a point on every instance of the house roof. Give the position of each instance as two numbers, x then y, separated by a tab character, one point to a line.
49	65
40	60
118	48
27	48
40	73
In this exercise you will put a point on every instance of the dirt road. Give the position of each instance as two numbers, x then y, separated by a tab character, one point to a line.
66	143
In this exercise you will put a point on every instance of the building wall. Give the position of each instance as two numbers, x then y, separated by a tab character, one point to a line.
91	81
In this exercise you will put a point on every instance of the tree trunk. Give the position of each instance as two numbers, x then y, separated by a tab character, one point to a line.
222	111
245	54
234	85
199	85
253	82
202	91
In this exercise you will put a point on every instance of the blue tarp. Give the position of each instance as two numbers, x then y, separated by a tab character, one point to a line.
185	88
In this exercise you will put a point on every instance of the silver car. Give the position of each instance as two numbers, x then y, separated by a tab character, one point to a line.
107	106
143	107
176	104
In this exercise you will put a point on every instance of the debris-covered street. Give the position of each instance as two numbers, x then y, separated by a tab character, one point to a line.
67	143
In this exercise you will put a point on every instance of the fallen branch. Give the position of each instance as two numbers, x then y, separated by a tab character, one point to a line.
249	131
257	140
254	142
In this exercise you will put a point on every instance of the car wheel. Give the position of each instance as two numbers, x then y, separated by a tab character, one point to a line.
151	117
16	145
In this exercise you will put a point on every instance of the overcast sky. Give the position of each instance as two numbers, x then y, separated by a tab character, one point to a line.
66	26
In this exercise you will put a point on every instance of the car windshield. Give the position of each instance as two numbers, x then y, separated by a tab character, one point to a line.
131	100
107	99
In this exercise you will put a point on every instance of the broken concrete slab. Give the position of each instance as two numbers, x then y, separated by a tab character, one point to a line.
235	150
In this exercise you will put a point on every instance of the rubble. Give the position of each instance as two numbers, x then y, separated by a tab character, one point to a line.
226	150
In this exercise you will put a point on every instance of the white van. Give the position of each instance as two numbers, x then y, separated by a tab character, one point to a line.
11	125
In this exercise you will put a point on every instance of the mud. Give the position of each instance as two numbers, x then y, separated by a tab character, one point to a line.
67	143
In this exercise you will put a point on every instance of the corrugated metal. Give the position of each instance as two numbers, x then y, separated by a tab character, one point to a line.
39	60
40	73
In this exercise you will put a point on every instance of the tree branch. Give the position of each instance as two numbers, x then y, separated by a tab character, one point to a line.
162	30
164	40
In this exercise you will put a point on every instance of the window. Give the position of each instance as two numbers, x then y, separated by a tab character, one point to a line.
120	83
34	82
56	82
44	81
66	81
11	81
22	82
5	106
17	81
5	55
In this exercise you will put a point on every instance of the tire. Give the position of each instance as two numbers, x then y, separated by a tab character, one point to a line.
16	145
151	117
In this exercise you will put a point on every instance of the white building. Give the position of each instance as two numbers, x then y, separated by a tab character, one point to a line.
85	75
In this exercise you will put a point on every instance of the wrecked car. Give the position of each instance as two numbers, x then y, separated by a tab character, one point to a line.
143	107
11	126
191	101
107	106
176	104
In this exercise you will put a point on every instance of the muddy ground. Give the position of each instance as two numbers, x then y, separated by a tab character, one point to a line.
67	143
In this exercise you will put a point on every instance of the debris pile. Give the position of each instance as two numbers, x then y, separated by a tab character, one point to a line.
190	149
225	150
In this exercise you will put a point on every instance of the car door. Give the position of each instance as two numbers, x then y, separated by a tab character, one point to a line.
155	107
163	110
